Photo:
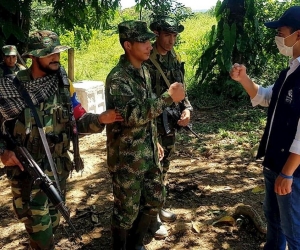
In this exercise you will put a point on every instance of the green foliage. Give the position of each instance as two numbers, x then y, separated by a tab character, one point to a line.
13	27
241	37
168	8
99	57
192	40
237	126
18	17
89	14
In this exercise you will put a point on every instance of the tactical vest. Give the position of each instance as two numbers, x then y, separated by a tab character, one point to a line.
282	122
55	116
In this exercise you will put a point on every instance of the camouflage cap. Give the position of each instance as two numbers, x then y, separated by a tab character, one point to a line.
166	23
135	31
44	43
9	50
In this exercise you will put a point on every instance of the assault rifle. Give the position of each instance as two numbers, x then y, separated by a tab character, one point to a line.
44	182
77	160
175	114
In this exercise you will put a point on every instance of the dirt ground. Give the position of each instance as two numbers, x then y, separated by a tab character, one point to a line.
205	184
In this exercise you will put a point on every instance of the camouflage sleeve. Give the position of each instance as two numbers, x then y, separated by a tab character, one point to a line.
89	123
136	105
86	122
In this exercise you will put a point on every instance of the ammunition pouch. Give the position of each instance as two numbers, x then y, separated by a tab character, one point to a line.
53	140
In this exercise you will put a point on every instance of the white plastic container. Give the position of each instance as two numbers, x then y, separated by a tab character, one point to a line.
91	95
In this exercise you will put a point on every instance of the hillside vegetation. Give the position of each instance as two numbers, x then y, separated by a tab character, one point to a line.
94	60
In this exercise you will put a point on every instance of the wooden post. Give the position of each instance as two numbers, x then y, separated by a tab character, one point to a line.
71	64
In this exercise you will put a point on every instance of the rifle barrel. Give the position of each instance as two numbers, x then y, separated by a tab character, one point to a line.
192	131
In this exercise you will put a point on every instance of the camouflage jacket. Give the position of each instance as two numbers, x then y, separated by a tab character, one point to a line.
133	142
54	104
4	70
173	70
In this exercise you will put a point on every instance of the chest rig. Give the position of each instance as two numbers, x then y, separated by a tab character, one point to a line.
54	114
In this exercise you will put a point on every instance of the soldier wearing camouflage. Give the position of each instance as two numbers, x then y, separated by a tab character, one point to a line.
54	102
164	60
132	150
9	66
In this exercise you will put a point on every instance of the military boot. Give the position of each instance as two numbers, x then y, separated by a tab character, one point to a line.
157	229
138	232
119	238
166	216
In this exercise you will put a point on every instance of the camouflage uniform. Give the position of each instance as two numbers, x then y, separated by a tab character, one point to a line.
132	153
10	50
53	102
172	67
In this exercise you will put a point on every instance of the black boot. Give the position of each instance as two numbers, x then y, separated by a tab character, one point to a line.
138	231
119	238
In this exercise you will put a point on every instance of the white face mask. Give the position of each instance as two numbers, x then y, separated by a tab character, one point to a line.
283	49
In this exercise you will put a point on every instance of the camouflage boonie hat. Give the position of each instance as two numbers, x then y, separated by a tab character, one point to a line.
135	31
9	50
166	23
44	43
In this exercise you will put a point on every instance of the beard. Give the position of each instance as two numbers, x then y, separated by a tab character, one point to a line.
47	69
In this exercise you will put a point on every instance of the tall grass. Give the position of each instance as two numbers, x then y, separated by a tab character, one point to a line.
192	40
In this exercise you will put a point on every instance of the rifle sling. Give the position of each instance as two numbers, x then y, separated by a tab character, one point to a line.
20	87
155	63
160	70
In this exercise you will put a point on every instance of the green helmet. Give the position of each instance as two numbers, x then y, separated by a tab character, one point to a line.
44	43
9	50
135	31
167	24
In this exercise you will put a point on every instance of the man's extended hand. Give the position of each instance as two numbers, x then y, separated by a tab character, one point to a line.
238	72
184	118
110	116
9	159
176	91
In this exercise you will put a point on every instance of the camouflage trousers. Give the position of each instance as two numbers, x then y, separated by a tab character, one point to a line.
136	192
33	208
168	144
